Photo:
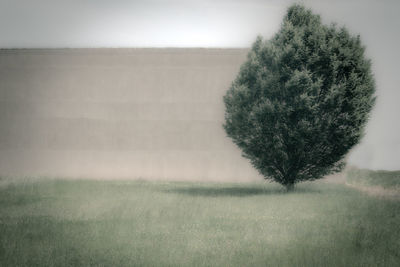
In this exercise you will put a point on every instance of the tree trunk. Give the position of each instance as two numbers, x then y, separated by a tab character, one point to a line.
289	187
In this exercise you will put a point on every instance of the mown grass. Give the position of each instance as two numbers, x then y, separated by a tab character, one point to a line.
119	223
385	179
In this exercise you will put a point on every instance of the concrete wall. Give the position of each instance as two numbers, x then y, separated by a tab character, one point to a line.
118	113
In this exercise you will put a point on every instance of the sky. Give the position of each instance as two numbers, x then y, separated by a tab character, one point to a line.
224	23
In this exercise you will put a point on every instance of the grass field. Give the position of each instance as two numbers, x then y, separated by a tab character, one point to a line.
53	222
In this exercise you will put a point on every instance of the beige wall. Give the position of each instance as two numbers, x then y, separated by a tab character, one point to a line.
118	113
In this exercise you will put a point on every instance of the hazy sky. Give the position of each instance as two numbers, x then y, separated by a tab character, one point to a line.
224	23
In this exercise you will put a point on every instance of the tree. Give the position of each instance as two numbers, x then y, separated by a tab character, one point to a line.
301	100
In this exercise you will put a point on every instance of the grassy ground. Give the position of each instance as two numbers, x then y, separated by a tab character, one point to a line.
385	179
118	223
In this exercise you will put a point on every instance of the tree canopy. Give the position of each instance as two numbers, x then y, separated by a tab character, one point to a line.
301	99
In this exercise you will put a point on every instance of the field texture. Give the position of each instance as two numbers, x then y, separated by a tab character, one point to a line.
55	222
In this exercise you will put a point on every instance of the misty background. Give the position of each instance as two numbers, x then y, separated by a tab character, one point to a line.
212	24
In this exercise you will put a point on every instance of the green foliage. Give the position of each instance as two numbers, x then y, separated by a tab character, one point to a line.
301	100
385	179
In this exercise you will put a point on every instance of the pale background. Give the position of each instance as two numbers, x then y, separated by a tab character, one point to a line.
118	113
158	113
